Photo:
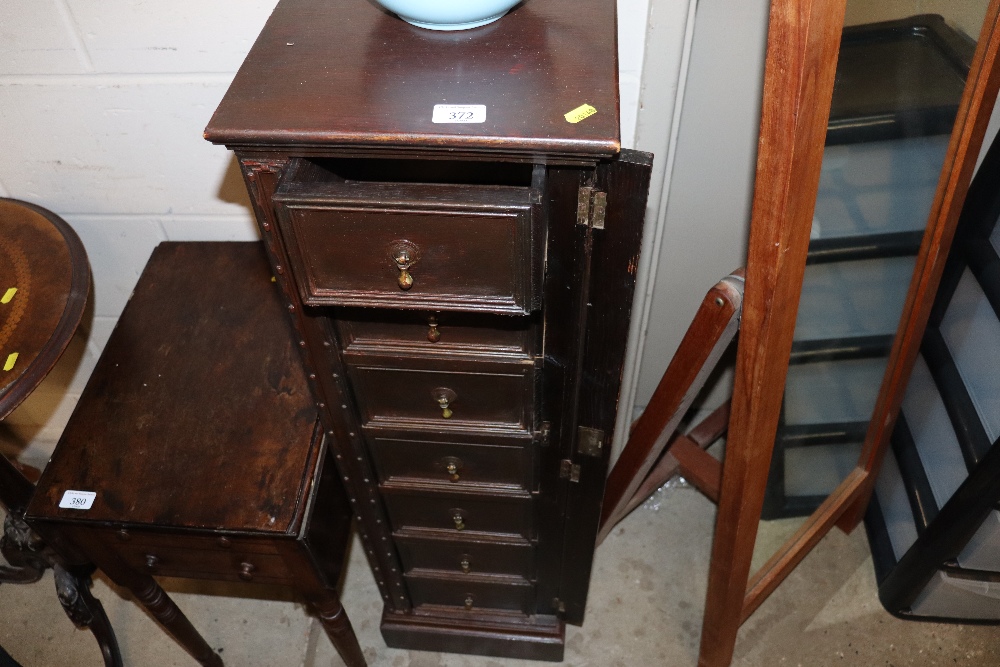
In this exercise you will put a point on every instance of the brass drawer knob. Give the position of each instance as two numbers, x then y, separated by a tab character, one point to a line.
152	561
404	254
452	465
459	521
445	398
465	565
246	571
468	601
433	333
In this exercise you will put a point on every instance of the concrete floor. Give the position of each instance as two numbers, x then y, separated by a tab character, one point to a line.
644	608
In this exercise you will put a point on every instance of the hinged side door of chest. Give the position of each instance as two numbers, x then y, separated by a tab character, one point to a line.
611	241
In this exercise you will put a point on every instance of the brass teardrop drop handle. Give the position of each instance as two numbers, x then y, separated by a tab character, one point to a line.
433	333
444	397
459	521
452	464
468	601
404	261
445	410
465	565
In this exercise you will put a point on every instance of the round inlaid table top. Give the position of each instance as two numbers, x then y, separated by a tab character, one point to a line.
45	283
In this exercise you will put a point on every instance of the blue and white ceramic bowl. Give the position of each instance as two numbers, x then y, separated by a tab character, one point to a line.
448	14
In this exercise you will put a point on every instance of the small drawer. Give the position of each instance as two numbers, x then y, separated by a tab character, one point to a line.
436	550
471	592
443	392
428	331
461	514
408	245
203	564
145	538
459	459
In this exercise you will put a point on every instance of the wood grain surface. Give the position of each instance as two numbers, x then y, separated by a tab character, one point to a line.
344	72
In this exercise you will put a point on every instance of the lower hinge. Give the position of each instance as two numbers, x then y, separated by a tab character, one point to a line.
591	207
558	605
568	470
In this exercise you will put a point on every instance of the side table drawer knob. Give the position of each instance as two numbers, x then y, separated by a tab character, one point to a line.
465	565
468	602
246	571
459	521
152	561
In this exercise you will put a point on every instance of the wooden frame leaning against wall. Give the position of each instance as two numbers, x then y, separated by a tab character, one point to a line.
802	47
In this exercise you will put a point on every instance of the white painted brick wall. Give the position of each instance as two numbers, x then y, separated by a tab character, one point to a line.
102	107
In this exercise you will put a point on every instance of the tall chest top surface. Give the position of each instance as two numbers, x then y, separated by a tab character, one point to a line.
345	73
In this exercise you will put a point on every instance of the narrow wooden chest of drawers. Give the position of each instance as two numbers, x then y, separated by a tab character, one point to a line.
461	293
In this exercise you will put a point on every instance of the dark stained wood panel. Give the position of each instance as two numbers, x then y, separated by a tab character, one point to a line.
343	72
195	351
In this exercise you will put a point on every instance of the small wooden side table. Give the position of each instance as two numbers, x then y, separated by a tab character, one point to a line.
194	450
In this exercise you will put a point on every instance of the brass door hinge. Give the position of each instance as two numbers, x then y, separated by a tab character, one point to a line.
591	207
589	441
568	470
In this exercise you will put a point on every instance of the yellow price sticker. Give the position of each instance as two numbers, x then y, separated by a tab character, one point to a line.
11	360
8	295
579	113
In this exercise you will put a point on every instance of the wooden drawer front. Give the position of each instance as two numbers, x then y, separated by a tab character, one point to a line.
206	564
145	538
471	592
463	459
434	331
425	550
459	513
462	247
499	394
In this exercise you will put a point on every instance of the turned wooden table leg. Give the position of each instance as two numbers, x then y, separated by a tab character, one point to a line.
158	603
338	628
151	596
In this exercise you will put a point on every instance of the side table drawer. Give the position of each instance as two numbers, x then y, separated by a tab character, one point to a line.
413	506
407	245
202	564
145	538
168	554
